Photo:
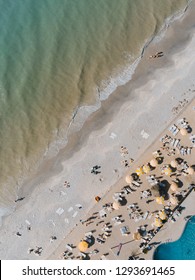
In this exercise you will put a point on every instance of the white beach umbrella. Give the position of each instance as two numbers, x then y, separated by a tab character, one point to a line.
190	170
174	186
183	131
174	163
116	205
154	162
128	179
173	200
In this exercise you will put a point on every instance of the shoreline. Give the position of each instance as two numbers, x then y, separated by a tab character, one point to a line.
86	112
52	193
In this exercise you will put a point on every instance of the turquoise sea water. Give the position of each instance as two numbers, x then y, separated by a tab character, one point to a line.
55	56
182	249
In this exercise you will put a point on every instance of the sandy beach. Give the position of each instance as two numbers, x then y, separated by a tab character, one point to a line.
61	195
171	230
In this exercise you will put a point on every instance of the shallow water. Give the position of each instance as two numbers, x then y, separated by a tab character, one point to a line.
57	56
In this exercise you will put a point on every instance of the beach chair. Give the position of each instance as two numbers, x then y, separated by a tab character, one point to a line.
145	215
182	151
69	247
174	129
100	241
192	139
176	143
183	123
175	132
116	218
102	213
124	230
137	184
138	218
171	128
117	196
127	190
103	257
172	142
119	222
156	154
60	211
88	234
180	121
94	252
131	206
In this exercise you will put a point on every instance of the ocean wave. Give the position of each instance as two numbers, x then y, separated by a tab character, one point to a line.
120	77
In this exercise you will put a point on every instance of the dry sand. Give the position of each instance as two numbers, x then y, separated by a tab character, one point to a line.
133	120
169	232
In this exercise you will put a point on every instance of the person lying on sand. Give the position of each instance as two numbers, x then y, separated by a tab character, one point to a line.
158	54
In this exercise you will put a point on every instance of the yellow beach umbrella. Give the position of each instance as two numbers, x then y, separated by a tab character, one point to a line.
167	171
190	170
163	215
139	171
83	246
174	186
183	131
154	162
137	236
116	205
146	168
160	199
128	179
157	222
174	163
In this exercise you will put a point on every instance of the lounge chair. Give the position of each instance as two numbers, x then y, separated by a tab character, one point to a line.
88	234
174	129
176	143
124	230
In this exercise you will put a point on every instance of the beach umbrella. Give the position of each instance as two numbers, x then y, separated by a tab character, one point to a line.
146	168
160	199
128	179
139	171
174	186
174	163
137	236
163	215
154	162
167	171
173	200
116	205
190	170
157	222
183	131
97	198
83	246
